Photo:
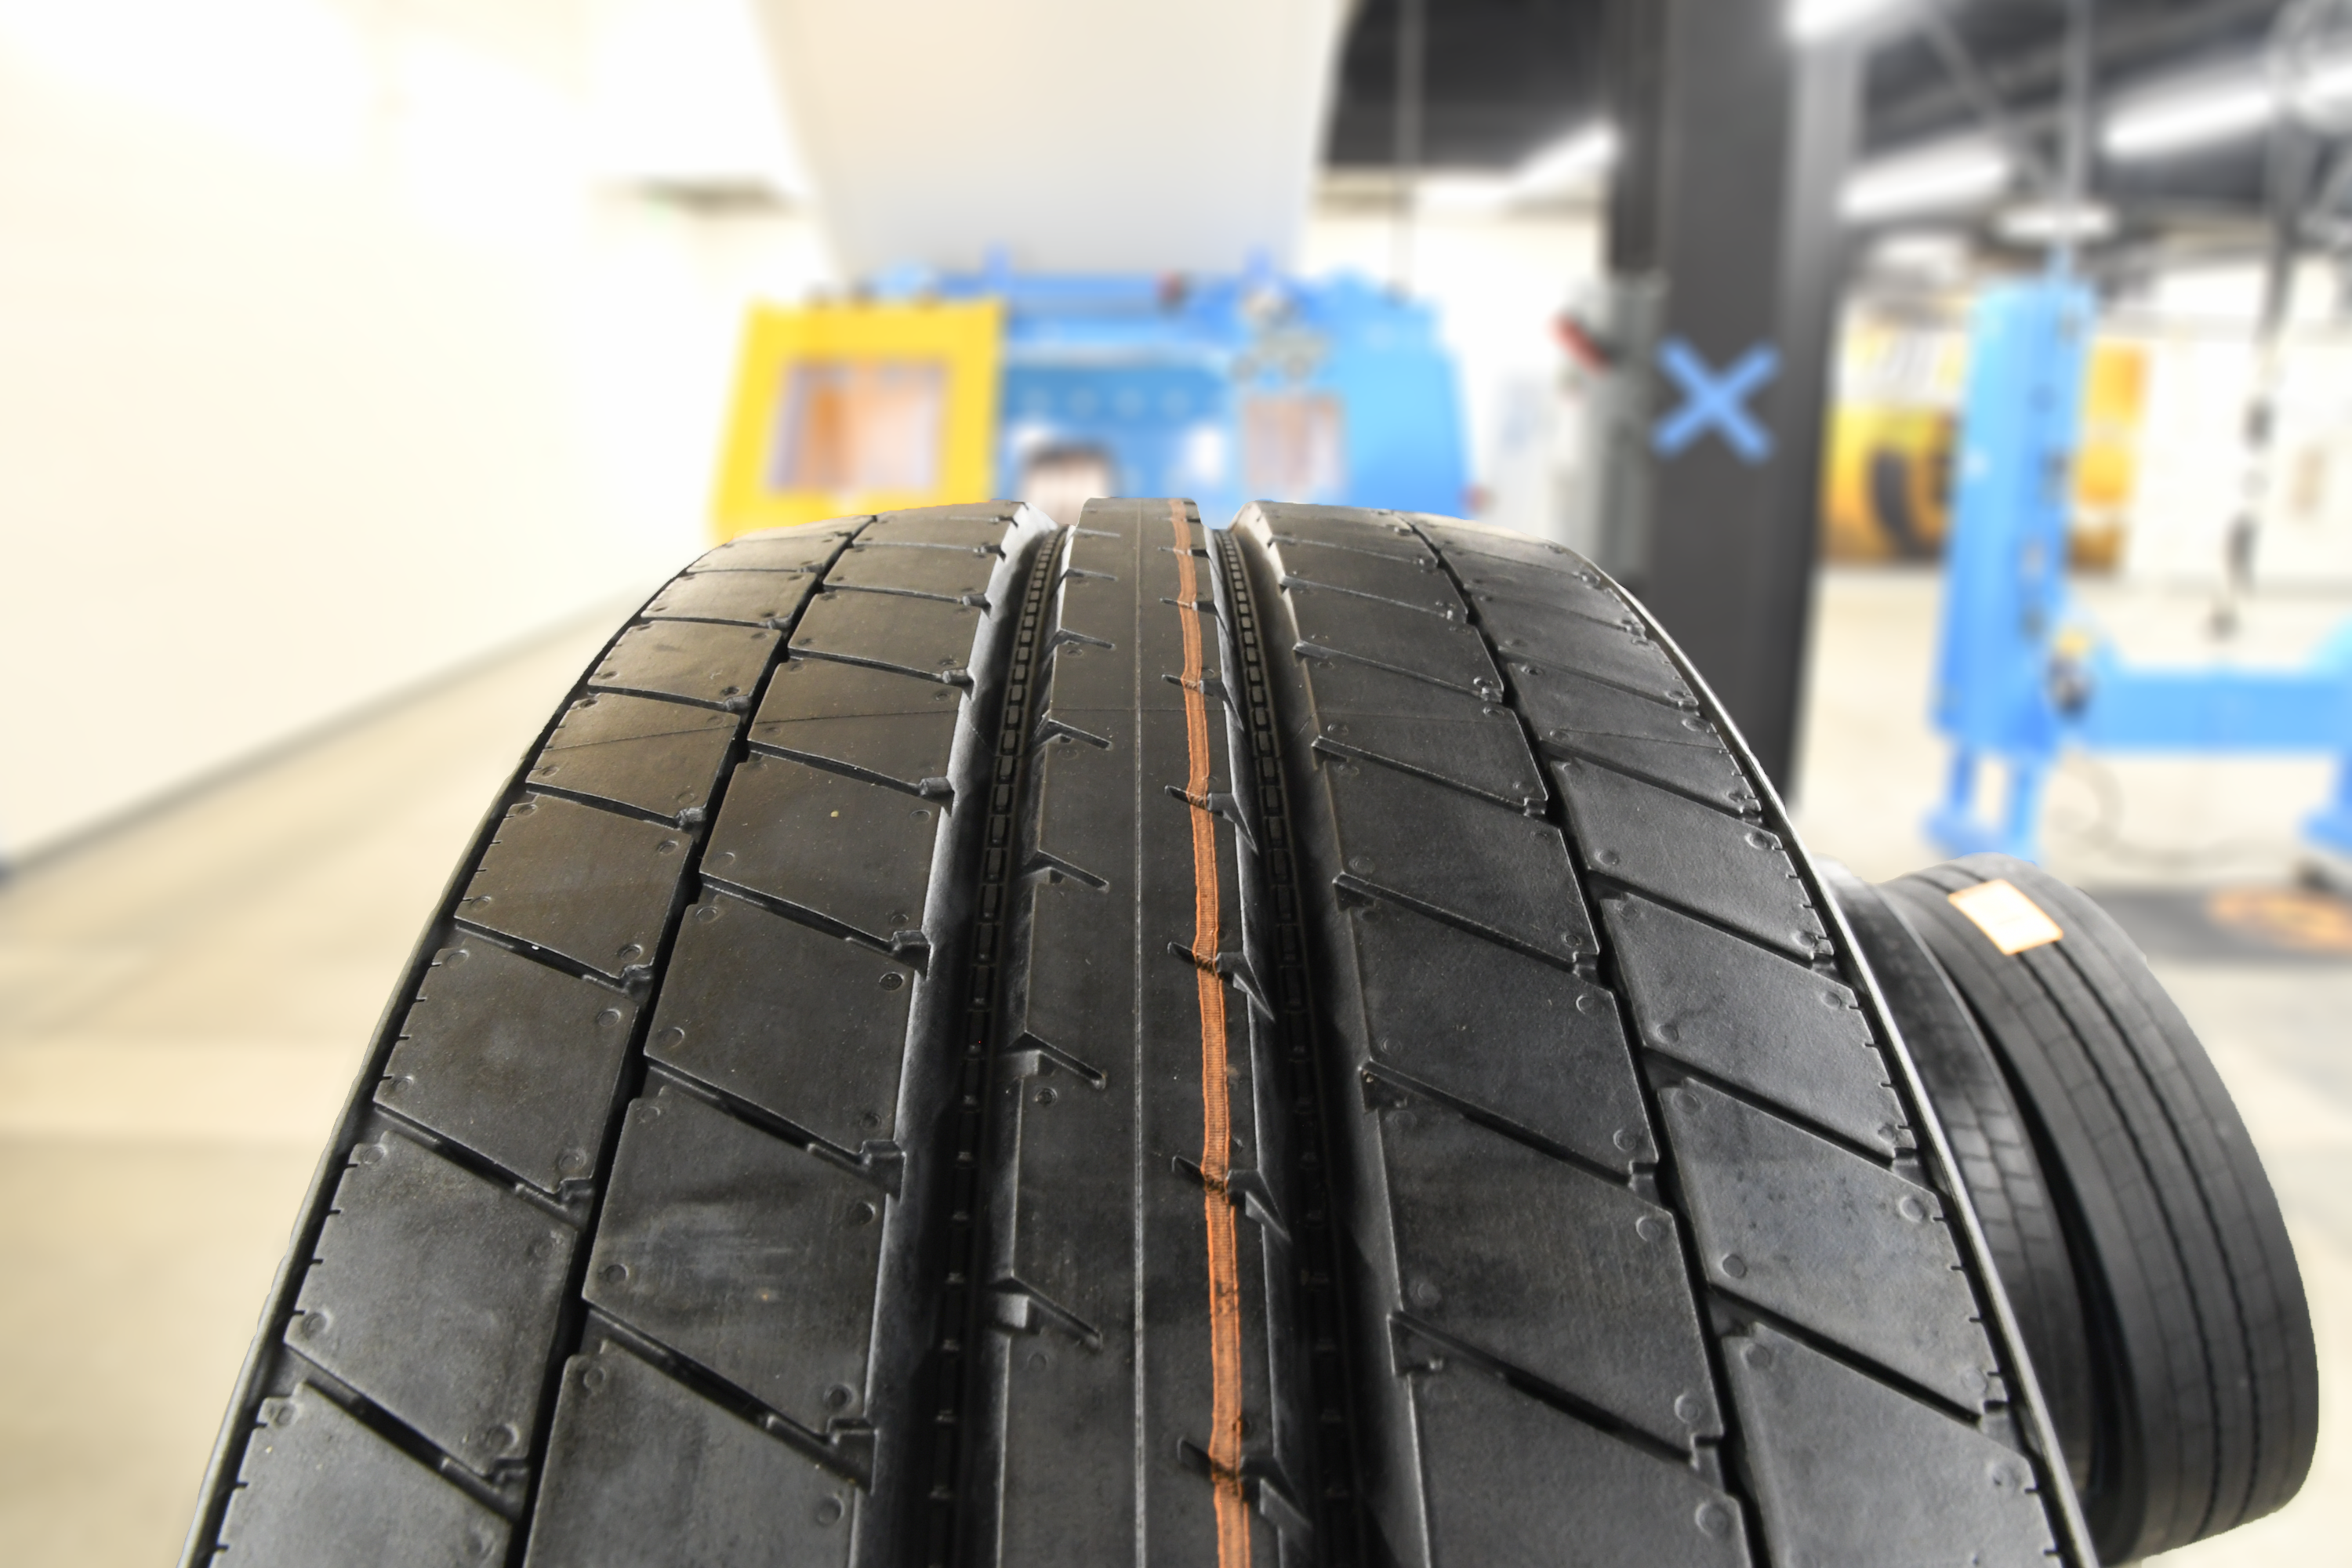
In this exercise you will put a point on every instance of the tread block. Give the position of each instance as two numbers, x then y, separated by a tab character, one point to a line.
881	722
419	1252
743	1252
590	885
922	637
1368	711
1344	528
1828	1240
511	1059
657	757
777	550
1485	757
1535	639
320	1490
909	750
842	848
884	567
953	527
1514	1483
1061	1229
1086	822
1531	1046
810	688
700	662
1501	544
1080	679
1850	1473
1753	1018
1672	746
1417	585
641	1469
1343	626
1083	674
1544	1245
1730	870
1344	689
1486	578
878	721
1464	860
749	598
1558	582
1083	819
805	1025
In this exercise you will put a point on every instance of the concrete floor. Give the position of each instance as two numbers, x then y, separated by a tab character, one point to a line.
183	1002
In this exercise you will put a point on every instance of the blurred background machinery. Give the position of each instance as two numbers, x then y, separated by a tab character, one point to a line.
1057	387
2021	670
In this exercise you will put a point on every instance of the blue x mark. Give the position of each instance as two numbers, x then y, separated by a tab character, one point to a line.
1715	402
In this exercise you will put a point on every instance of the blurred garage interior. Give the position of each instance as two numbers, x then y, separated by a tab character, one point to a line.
362	361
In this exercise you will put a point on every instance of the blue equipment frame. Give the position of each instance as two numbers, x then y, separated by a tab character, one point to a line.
2018	675
1159	375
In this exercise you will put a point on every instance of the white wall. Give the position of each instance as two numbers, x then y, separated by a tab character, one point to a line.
2200	325
328	363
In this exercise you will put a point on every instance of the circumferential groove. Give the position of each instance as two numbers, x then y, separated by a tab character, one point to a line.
964	1297
1276	944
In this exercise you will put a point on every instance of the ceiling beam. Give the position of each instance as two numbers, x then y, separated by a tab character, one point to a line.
2126	40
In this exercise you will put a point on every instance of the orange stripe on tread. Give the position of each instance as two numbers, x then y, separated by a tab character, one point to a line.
1216	1106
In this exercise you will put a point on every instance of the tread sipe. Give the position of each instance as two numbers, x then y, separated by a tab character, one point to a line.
969	1042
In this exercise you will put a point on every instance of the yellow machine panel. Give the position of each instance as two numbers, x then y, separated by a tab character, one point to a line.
860	408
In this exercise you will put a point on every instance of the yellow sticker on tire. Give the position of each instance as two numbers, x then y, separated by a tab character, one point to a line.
2010	922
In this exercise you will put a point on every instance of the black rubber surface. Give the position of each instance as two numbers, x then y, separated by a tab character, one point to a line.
975	1043
1991	1136
2202	1368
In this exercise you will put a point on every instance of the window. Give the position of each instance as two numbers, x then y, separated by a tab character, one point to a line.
860	425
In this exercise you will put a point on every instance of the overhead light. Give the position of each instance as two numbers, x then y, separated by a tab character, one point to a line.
2219	109
2055	223
1573	158
1923	182
1462	194
1811	20
1930	252
2321	95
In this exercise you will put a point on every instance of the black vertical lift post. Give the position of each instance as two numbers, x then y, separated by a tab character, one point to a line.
1734	144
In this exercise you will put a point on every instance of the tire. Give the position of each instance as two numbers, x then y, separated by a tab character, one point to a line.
2164	1307
969	1042
1991	1136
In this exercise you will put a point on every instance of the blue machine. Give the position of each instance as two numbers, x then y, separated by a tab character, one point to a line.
2018	674
1226	388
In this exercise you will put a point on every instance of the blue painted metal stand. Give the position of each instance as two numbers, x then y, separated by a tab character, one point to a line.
1175	382
2017	674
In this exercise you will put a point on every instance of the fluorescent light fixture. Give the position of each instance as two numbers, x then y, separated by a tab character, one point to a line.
2323	97
1462	194
1935	252
1573	158
1923	182
2055	223
1809	20
1550	171
2221	109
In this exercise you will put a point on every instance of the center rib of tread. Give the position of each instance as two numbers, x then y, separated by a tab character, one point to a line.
1216	1108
